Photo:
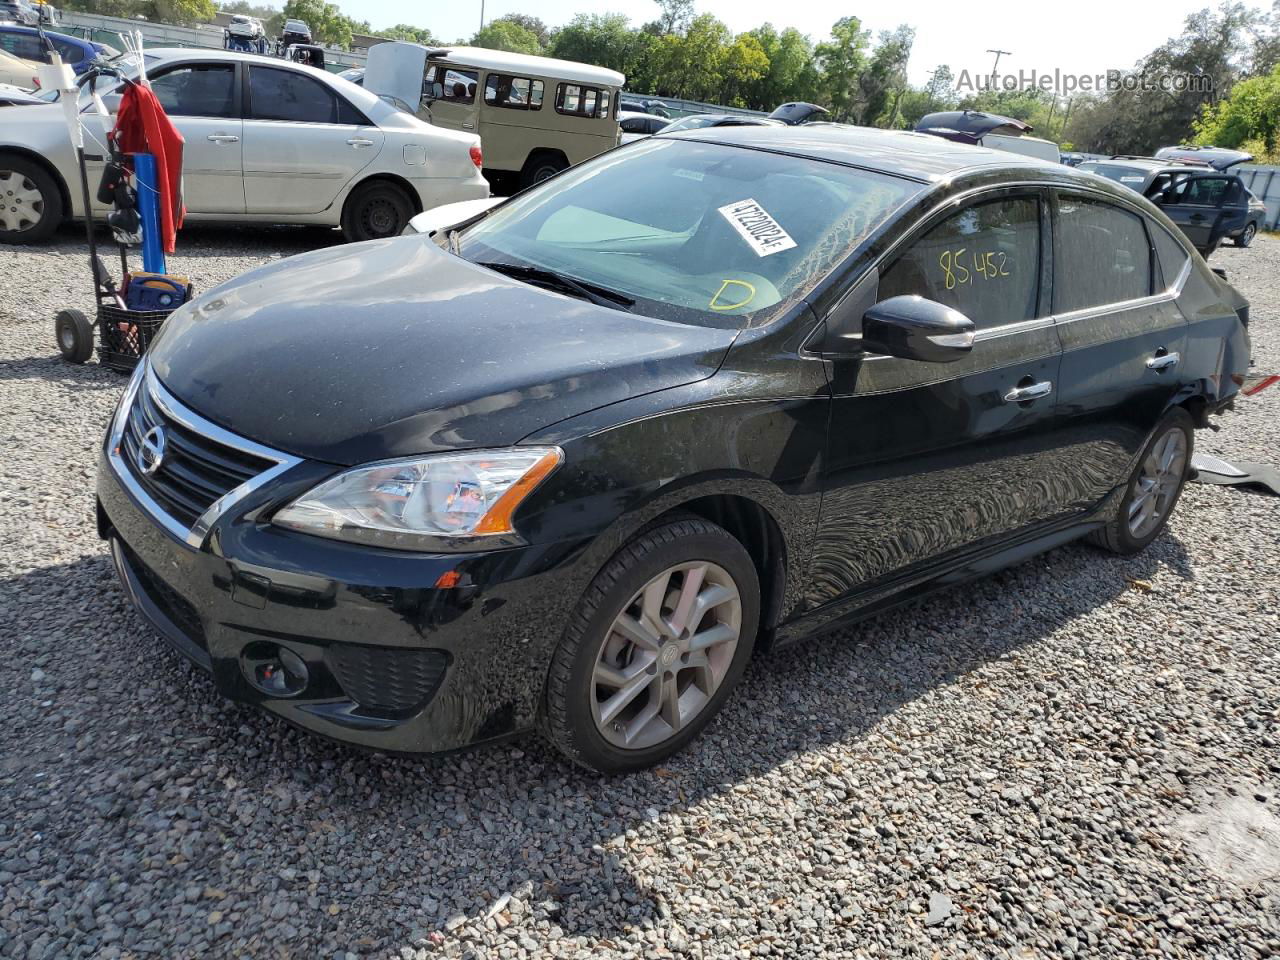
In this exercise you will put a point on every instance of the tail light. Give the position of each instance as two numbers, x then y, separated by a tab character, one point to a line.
477	157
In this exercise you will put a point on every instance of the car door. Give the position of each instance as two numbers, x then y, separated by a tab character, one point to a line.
1195	204
1122	334
449	95
203	101
929	460
303	143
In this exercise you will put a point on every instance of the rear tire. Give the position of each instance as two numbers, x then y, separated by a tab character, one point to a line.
1247	234
376	211
1153	489
634	679
30	201
542	167
75	335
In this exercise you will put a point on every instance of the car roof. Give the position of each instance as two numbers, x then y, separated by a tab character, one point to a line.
20	28
901	153
523	62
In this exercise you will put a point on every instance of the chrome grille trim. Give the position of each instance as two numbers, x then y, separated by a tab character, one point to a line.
193	536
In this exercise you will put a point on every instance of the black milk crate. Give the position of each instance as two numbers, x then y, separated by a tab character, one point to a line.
124	335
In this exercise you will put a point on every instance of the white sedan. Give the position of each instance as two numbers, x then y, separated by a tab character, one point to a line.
267	141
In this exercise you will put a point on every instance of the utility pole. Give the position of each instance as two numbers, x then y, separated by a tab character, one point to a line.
482	16
995	67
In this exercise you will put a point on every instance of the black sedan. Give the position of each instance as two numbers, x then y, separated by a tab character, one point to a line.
573	464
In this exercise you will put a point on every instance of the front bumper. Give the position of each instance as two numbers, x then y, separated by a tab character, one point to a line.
405	652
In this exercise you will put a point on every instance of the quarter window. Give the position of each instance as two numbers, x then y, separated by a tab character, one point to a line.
1170	253
514	93
1101	256
197	90
983	261
579	101
290	95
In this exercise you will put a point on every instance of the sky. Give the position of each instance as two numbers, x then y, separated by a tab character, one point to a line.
1080	37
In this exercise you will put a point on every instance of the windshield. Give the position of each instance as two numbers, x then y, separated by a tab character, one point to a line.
691	231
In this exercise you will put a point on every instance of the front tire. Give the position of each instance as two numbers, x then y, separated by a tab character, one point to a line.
376	211
1154	488
656	646
30	202
1247	234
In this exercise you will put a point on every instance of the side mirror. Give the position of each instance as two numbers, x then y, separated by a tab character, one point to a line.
914	328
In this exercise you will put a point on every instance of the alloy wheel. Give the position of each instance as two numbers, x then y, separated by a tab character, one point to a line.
666	654
21	203
1158	483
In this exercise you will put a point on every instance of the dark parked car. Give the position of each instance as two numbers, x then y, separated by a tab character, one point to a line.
25	42
682	404
699	121
1208	205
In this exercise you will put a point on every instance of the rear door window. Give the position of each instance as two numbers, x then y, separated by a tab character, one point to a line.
1101	255
983	261
27	46
290	95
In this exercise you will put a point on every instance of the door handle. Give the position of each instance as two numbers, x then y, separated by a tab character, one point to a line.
360	142
223	138
1163	361
468	126
1197	216
1032	391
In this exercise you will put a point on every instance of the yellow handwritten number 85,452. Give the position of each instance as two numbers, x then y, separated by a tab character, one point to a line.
955	272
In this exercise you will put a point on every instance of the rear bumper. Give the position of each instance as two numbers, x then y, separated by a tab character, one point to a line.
394	661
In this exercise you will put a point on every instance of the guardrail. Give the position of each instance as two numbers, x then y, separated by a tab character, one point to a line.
104	29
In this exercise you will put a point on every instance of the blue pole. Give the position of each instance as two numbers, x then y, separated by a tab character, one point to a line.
144	169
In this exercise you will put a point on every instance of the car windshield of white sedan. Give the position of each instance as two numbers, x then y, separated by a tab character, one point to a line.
691	231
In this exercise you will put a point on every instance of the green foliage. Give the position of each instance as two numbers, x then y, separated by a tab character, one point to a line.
505	35
842	60
412	34
607	40
1248	119
328	24
676	16
185	12
533	24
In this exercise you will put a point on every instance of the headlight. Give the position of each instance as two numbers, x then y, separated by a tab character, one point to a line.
448	501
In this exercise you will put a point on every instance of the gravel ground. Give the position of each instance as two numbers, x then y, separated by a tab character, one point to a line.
1078	756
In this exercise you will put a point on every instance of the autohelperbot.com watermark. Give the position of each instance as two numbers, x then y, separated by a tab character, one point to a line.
1064	83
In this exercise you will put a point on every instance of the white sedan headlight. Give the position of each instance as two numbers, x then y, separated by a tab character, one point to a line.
447	501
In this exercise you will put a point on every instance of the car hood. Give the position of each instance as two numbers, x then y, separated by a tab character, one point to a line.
394	347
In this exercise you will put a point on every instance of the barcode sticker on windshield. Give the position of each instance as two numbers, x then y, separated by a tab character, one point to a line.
763	233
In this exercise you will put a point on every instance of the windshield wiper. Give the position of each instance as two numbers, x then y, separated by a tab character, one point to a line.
601	296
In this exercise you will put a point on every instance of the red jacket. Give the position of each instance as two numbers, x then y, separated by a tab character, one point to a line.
142	126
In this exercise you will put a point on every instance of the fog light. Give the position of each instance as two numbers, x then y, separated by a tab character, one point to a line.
274	670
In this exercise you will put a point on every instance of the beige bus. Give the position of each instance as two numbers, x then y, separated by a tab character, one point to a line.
535	115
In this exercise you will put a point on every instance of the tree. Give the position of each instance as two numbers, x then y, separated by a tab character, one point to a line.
742	64
881	84
690	65
842	60
327	23
404	31
605	40
940	90
792	73
185	12
676	16
1249	118
505	35
533	24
